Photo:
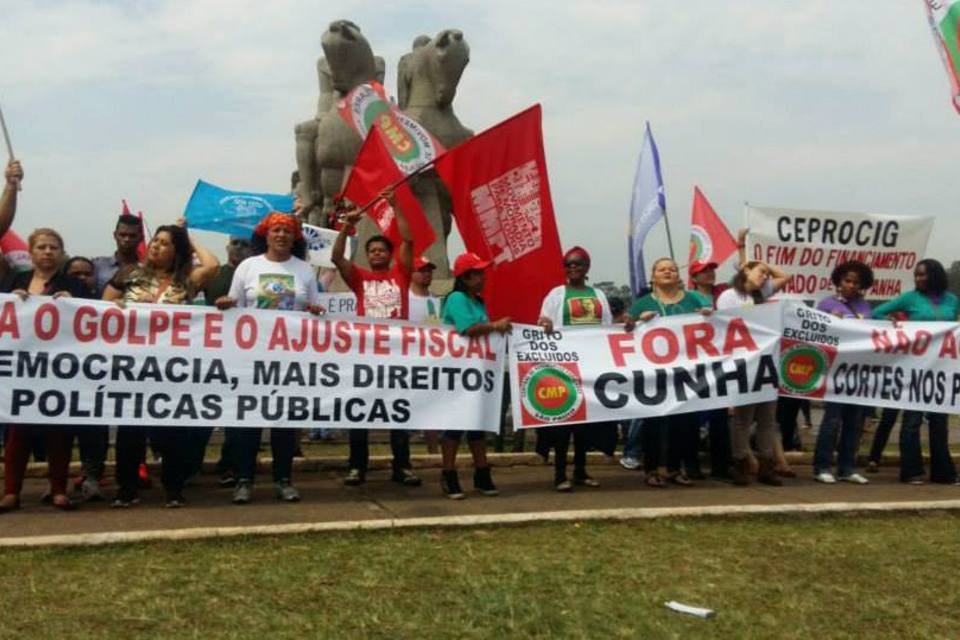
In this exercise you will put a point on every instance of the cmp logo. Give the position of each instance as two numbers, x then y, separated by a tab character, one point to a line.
700	246
802	368
551	393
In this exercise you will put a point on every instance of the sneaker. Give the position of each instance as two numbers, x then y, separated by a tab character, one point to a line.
450	485
354	478
227	481
175	501
854	478
585	481
287	492
631	464
564	486
407	478
825	477
483	482
125	500
90	490
243	492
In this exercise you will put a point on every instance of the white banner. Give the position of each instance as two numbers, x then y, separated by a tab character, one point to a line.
339	304
875	363
810	244
669	365
70	361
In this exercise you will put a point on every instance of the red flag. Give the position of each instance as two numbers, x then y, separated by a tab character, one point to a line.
710	240
15	251
374	171
501	202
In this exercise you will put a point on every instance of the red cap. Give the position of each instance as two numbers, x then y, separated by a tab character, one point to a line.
468	262
697	267
422	263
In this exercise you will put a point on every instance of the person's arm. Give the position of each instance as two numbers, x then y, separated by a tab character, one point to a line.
405	251
549	309
606	316
313	291
884	309
204	272
111	293
344	266
237	293
778	277
8	199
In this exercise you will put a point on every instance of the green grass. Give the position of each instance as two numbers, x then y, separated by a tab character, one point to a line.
798	577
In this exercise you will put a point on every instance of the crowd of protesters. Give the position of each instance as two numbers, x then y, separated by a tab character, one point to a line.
269	271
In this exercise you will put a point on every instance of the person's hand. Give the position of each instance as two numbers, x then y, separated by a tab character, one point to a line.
839	314
225	302
629	324
502	325
314	309
742	235
14	173
120	302
647	316
352	217
21	293
387	194
62	294
181	222
546	324
706	312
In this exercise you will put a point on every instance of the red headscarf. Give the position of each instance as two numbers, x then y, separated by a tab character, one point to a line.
275	218
577	251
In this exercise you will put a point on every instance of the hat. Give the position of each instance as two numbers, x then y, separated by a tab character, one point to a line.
468	262
697	267
420	263
282	219
574	251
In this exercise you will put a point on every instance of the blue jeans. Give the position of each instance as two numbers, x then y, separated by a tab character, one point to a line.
848	417
631	442
911	458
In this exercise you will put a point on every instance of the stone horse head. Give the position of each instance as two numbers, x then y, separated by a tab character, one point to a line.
429	74
349	58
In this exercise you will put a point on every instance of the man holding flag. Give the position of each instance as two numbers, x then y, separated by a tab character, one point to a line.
382	292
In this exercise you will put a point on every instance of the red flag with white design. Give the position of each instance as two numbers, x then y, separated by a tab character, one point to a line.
373	172
710	240
15	251
501	203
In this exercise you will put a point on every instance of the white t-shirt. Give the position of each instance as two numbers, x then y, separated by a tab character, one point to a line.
423	309
733	299
284	286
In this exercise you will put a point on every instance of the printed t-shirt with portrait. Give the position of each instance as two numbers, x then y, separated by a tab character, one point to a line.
290	285
381	294
571	307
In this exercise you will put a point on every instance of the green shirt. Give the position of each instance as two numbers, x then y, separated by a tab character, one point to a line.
919	307
463	311
691	302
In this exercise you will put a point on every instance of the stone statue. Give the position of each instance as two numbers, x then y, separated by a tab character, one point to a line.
427	80
326	145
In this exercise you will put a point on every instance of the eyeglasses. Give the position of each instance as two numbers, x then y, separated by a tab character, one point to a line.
574	263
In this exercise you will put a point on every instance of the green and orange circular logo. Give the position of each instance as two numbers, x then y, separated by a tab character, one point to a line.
802	366
550	394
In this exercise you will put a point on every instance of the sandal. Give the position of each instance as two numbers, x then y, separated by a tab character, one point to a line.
680	478
9	503
655	481
63	502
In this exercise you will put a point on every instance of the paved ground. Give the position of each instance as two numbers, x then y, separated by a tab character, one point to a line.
525	489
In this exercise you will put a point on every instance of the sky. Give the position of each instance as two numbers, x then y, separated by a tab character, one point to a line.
816	104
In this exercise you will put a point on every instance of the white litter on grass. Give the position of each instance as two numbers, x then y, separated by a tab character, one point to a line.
700	612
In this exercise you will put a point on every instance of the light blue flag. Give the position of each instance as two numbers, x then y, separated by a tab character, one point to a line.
232	212
647	206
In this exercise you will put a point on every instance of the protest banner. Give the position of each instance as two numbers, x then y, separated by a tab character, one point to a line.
810	244
875	363
339	303
214	208
74	362
666	366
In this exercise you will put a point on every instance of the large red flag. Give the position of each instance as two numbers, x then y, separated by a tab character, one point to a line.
374	171
501	202
710	240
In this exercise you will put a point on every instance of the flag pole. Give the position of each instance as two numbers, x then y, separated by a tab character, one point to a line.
666	223
6	138
406	178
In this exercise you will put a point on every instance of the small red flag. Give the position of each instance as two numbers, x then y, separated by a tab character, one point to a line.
374	171
142	247
710	240
501	203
